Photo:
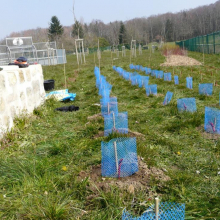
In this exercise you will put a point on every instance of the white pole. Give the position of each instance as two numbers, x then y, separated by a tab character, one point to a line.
108	108
77	54
83	52
116	156
64	67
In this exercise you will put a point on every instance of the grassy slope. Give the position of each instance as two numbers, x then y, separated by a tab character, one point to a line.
33	184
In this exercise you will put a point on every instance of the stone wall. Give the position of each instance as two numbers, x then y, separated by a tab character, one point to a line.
21	90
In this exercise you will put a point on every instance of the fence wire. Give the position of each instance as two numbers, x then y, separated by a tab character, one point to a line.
207	43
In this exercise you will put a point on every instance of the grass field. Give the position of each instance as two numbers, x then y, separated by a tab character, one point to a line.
43	155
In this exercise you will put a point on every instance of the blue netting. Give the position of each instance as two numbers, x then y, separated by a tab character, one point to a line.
160	74
168	98
167	77
143	80
186	104
116	123
137	67
148	70
154	73
132	66
167	211
108	106
142	68
176	80
151	89
189	82
119	157
212	120
206	89
134	79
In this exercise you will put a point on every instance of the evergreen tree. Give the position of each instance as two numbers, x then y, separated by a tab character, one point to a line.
55	29
77	30
122	33
169	30
103	42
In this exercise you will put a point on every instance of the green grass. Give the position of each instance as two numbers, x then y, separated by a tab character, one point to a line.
33	184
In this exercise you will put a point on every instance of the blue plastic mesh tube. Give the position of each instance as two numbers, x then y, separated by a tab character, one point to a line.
189	82
186	104
176	80
160	74
167	211
151	89
212	120
116	123
119	157
168	98
167	77
206	89
109	105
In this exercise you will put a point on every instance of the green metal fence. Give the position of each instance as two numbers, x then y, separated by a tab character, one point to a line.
208	43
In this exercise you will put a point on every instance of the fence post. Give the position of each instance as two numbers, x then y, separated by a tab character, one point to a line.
157	201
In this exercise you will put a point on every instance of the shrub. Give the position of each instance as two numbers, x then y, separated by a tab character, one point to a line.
172	49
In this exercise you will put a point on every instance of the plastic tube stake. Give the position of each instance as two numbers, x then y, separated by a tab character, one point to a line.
157	201
116	156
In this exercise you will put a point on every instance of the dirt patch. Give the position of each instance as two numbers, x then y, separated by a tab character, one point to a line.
207	135
138	181
178	60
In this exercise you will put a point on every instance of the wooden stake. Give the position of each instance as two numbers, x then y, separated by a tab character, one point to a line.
116	156
64	68
157	201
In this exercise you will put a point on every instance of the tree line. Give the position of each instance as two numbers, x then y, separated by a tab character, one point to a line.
167	27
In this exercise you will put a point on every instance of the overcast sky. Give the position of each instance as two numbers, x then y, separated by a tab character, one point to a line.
18	15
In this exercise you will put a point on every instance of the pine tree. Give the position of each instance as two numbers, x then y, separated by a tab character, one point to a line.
122	33
77	30
55	29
